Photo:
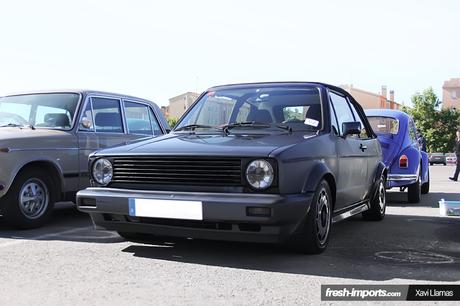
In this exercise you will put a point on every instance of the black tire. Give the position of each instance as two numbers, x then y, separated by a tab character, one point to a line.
414	192
136	237
378	203
311	239
431	164
426	185
445	164
21	213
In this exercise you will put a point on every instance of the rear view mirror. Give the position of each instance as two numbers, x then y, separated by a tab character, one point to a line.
351	128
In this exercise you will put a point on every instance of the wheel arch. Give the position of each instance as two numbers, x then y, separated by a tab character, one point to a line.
319	172
50	168
382	169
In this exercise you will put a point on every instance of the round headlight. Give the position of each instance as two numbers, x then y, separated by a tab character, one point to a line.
260	174
102	171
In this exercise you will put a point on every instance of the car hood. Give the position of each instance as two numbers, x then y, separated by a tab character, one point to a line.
216	145
26	138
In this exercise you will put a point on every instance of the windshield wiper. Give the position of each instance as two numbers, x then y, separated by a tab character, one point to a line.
18	125
255	124
192	127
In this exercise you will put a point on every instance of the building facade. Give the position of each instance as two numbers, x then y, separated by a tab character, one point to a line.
451	93
179	104
369	99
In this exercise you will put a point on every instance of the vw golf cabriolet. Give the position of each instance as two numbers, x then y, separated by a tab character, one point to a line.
263	162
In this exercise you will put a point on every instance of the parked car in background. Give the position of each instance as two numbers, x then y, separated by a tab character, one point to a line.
451	158
46	138
267	162
437	158
407	163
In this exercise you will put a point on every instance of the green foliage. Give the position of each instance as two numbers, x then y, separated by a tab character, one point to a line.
437	126
172	121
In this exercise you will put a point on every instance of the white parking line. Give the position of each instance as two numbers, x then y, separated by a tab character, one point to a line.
43	237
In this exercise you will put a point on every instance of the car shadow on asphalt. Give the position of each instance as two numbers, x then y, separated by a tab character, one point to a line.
65	224
405	247
399	199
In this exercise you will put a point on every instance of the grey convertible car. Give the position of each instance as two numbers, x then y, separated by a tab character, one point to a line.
263	162
46	138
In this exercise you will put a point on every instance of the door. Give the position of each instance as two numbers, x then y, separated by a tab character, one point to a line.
141	121
370	147
104	128
352	163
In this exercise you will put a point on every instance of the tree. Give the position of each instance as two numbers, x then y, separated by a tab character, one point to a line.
172	121
438	126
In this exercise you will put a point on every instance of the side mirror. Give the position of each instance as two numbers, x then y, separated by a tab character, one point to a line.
86	123
351	128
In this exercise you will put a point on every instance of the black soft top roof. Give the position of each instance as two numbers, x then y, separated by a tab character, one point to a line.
280	84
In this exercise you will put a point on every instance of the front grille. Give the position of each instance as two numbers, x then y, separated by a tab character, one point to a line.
196	171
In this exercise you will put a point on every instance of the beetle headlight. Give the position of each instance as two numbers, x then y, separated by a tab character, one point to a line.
260	174
102	171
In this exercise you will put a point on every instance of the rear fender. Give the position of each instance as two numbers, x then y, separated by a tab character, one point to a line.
425	167
381	170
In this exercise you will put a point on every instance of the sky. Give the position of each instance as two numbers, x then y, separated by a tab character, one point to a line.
160	49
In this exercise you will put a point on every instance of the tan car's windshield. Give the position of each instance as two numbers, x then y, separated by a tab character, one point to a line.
53	110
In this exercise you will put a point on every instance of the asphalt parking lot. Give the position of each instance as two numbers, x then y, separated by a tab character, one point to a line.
67	262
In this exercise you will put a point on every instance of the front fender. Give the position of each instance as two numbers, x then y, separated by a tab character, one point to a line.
319	171
13	163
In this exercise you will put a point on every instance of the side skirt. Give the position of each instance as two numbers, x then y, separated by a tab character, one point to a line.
354	210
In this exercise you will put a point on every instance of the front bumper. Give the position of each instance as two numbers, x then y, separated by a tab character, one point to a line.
225	215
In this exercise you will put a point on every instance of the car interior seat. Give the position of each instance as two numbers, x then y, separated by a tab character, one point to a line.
57	119
260	115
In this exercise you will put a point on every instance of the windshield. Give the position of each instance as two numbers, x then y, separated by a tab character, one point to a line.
298	108
54	110
384	125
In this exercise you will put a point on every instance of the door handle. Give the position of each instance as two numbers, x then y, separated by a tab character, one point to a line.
362	147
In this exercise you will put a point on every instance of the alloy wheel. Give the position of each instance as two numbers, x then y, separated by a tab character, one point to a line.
382	196
33	198
323	216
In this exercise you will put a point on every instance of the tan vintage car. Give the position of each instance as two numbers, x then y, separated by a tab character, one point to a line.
46	138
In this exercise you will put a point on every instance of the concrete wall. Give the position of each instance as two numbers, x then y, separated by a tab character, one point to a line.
451	93
373	100
179	104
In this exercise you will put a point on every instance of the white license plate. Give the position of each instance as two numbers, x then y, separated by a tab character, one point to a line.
170	209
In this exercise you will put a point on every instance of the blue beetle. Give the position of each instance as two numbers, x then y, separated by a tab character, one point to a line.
407	163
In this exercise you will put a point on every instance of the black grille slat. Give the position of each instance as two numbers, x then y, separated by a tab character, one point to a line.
181	169
177	171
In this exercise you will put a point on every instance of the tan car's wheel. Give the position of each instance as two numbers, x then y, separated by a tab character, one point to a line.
29	200
33	198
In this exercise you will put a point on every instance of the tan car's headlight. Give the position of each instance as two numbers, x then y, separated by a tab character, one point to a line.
102	171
